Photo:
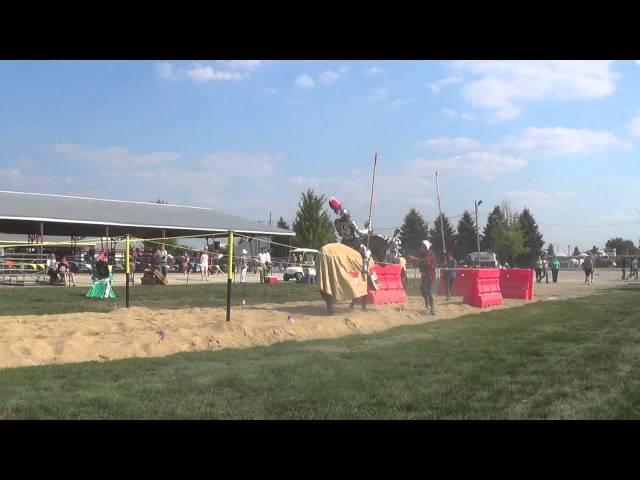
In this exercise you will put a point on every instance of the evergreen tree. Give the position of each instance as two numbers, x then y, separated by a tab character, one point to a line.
533	241
312	224
412	233
435	236
496	218
576	251
550	252
467	241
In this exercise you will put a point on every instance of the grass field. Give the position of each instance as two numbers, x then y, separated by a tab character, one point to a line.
573	359
48	300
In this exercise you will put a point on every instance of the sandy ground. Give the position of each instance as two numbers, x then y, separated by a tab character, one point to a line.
43	339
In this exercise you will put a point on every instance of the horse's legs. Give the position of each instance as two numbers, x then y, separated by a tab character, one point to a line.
330	301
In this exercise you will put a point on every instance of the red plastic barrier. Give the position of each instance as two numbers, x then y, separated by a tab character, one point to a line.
462	285
391	289
486	289
270	280
517	283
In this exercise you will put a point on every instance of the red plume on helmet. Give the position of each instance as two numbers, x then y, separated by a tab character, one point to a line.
335	205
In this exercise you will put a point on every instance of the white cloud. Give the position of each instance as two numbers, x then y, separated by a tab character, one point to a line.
538	198
378	95
638	62
530	198
502	85
329	76
114	157
436	87
619	217
375	71
303	182
343	70
401	102
634	126
10	174
240	163
231	70
164	70
241	64
565	195
486	165
305	81
454	114
204	73
562	141
458	143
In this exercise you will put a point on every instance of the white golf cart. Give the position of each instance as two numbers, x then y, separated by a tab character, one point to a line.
298	269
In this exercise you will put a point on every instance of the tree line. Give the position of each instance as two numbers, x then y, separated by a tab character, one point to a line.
513	236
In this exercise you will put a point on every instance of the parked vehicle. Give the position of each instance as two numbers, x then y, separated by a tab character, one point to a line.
487	260
302	262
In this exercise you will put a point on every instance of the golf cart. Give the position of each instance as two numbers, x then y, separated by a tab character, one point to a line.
303	264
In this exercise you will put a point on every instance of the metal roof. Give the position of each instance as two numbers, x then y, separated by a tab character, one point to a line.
22	212
62	241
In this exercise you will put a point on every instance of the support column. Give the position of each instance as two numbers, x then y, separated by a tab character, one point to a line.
229	276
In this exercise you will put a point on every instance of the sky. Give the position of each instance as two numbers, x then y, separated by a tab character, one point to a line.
246	137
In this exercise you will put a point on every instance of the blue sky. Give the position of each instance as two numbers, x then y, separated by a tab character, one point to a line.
246	137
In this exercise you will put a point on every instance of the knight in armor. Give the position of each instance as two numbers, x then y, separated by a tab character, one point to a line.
350	233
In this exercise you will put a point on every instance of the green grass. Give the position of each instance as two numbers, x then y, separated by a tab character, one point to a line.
51	300
575	359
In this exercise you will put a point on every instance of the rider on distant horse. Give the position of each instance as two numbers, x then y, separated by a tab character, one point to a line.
351	234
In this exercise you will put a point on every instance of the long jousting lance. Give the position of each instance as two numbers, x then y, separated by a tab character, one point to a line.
444	247
373	182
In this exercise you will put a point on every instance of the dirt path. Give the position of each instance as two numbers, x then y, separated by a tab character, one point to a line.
140	332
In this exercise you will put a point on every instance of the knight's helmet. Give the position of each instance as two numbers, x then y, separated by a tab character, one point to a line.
335	205
343	223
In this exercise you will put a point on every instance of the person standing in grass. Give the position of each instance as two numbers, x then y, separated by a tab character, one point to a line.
450	274
186	265
243	266
587	265
538	268
427	264
555	268
204	265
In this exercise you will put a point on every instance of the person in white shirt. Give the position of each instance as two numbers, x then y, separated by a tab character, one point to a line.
204	265
243	266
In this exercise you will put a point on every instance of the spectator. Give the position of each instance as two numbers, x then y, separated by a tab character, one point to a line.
587	265
243	266
450	274
545	269
623	264
555	268
164	257
102	267
204	265
538	267
427	263
185	265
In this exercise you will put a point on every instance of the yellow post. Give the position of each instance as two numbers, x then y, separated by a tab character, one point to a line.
127	270
127	256
229	275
